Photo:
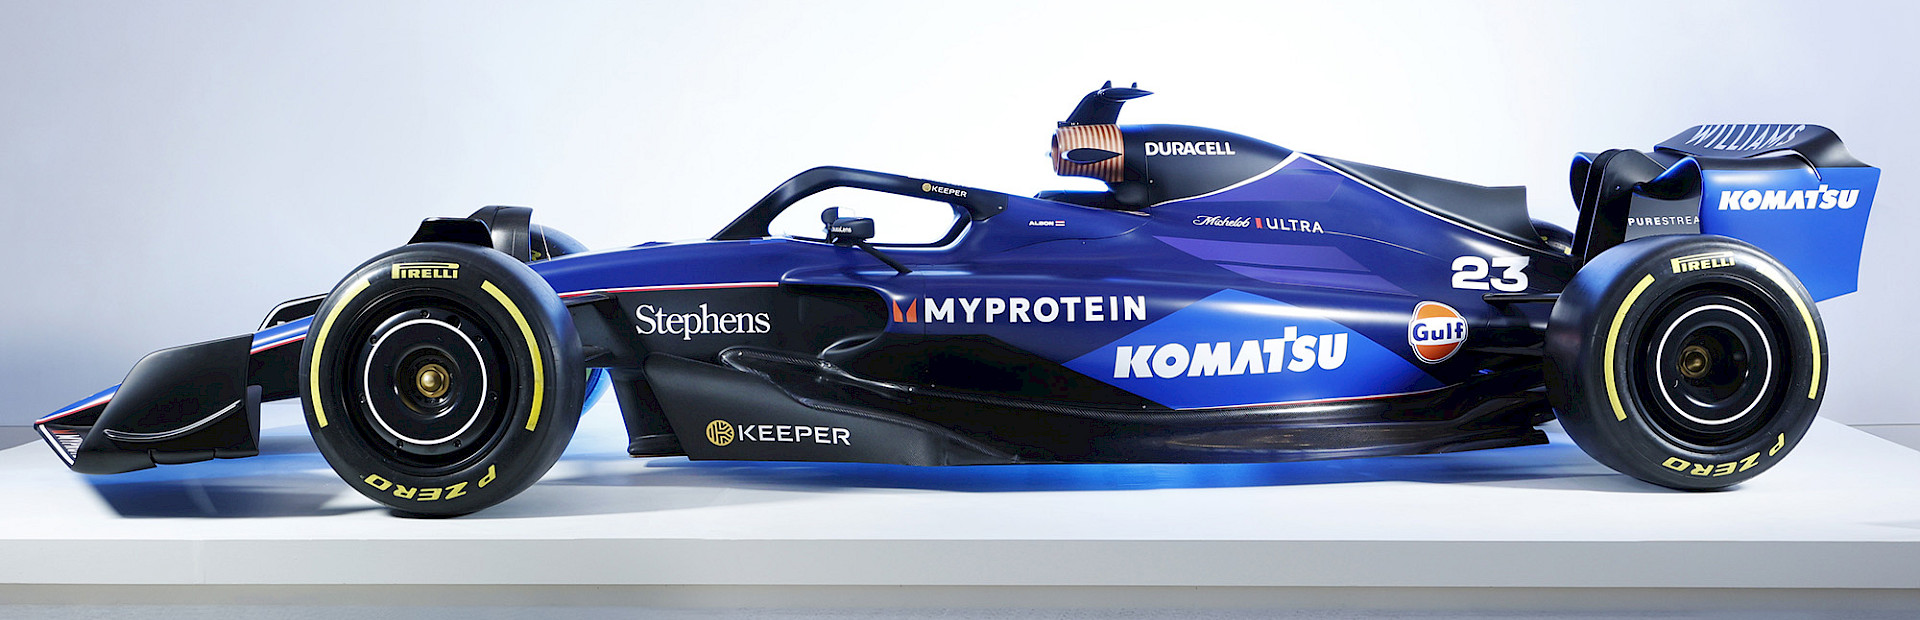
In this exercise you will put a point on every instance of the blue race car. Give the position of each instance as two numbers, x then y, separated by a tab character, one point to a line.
1223	300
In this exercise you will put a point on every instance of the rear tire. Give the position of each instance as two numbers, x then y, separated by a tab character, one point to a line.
1692	362
442	378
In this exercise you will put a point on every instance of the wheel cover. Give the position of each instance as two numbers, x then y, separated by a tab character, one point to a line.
427	383
1711	369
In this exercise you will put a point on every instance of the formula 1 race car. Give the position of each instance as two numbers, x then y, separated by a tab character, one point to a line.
1223	300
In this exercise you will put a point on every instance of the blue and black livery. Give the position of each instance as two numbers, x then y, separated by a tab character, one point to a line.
1224	300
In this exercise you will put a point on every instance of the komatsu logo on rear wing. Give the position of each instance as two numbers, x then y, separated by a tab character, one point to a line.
1788	199
1813	219
1292	351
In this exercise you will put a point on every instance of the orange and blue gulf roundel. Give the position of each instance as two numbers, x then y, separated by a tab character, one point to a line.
1436	331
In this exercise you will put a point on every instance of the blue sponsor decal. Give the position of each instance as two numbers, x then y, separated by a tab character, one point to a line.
1813	221
1236	348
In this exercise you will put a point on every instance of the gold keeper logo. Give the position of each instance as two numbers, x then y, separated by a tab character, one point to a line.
720	432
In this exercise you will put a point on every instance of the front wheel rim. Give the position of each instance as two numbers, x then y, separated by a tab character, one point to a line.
427	385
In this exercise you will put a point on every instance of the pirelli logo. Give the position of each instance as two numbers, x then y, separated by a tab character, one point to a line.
426	271
1697	262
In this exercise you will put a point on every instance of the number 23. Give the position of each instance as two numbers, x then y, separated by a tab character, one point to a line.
1470	273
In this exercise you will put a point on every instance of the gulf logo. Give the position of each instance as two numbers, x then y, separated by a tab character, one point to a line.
1436	331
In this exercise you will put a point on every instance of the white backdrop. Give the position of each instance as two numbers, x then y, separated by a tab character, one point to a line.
169	171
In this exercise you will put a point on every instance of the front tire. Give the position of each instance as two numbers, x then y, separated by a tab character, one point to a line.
1692	362
441	378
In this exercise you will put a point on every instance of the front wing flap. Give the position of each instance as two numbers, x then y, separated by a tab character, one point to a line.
180	405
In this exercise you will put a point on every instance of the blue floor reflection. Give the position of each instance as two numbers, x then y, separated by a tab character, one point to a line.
1512	465
290	478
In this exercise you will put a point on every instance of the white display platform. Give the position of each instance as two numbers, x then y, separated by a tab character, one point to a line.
1842	512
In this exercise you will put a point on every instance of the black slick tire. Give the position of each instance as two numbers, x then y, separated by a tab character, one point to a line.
441	378
1689	361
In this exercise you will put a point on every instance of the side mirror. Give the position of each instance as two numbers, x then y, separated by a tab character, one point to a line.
845	231
848	231
854	232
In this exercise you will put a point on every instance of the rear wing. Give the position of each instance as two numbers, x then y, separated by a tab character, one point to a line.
1792	190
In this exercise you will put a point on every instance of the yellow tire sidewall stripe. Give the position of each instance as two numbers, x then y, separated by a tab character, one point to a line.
319	346
1613	337
533	349
1813	333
